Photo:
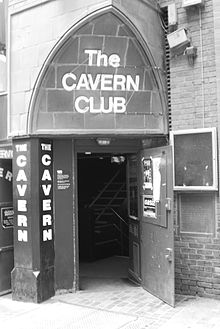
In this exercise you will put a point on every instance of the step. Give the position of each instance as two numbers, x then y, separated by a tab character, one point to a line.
110	204
106	242
110	196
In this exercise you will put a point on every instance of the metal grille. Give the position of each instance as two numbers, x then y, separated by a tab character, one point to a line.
164	17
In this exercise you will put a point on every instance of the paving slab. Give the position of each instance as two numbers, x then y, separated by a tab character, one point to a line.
58	315
61	312
196	313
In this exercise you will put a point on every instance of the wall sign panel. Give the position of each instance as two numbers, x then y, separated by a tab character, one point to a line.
101	80
195	157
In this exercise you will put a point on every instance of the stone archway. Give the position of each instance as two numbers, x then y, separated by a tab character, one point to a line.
102	66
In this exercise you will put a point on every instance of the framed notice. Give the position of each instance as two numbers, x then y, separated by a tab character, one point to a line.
149	206
7	217
151	173
195	159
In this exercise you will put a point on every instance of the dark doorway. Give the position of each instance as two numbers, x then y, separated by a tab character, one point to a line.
102	214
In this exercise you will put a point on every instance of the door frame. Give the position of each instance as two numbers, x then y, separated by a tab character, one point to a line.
120	145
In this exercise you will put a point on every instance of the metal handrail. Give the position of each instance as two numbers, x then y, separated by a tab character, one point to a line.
115	212
107	206
104	189
6	248
119	230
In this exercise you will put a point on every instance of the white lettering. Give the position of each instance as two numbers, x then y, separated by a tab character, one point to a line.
92	105
114	60
46	159
94	83
22	220
102	59
106	81
46	175
46	205
130	83
46	189
119	105
46	147
6	154
21	147
1	172
47	235
21	189
90	52
9	176
47	220
83	82
22	205
114	104
70	76
21	161
21	176
22	235
119	82
77	104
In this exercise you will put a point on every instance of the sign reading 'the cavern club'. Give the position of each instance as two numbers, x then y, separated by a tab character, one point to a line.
100	81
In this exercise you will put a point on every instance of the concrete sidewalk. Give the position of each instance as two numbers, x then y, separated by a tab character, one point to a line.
65	312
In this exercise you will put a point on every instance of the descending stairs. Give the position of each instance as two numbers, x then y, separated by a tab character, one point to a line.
110	220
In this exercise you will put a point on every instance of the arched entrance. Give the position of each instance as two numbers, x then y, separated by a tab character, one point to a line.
100	78
99	85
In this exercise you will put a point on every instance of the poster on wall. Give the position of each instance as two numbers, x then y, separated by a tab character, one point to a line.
148	174
156	178
151	185
7	216
63	180
149	206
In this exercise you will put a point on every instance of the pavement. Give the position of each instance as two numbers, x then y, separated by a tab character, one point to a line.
131	308
109	301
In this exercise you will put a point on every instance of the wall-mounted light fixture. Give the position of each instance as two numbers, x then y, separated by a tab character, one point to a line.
117	159
191	53
103	141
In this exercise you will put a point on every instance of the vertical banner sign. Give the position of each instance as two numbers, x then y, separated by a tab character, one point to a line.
22	180
46	201
22	203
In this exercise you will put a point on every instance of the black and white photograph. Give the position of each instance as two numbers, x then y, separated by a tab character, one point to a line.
109	164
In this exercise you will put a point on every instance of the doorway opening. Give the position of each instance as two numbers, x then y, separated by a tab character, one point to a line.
103	218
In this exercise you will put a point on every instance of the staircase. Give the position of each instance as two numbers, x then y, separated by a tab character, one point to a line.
110	222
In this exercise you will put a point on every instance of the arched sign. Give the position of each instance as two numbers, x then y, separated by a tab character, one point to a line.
101	80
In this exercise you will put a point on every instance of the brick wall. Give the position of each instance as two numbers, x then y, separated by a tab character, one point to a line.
194	104
197	266
193	88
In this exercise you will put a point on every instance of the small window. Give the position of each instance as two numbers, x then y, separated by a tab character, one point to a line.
195	160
